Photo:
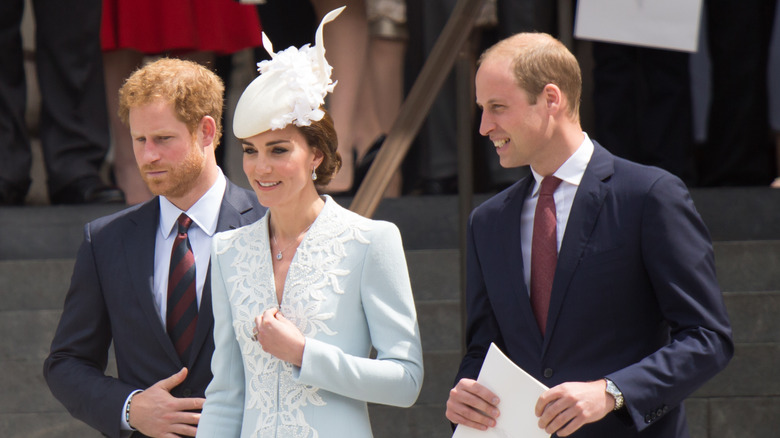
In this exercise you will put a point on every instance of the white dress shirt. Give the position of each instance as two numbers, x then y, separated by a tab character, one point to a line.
204	214
570	172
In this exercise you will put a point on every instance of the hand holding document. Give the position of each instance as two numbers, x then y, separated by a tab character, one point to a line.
518	392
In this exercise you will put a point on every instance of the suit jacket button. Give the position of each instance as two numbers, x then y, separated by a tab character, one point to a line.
548	372
186	393
648	419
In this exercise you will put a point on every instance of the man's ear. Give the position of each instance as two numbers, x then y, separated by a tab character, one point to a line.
207	130
553	98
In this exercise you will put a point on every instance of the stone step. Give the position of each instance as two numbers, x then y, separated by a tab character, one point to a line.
44	425
734	417
748	265
45	231
742	266
426	222
30	315
35	283
42	283
33	292
753	371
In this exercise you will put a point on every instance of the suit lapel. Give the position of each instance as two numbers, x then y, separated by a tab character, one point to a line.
234	208
235	204
513	251
139	253
585	209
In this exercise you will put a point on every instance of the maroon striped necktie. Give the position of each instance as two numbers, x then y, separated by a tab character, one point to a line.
182	315
544	251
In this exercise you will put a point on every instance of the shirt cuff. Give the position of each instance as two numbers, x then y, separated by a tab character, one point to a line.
123	424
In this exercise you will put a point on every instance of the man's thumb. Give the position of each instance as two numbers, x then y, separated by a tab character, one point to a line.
175	380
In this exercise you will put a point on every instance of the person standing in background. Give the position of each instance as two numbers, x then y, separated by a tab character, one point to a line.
738	148
73	127
643	108
197	30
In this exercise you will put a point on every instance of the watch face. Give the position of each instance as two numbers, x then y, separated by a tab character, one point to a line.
613	390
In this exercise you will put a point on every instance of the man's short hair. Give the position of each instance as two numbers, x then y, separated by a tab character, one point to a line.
192	89
539	59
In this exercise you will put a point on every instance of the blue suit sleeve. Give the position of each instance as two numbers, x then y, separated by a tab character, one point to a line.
679	260
76	365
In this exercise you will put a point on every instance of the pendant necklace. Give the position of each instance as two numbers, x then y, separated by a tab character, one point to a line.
279	254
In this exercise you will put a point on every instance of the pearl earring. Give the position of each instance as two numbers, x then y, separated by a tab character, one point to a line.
313	175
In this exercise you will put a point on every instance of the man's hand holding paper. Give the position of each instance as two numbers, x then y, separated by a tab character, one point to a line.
565	408
475	403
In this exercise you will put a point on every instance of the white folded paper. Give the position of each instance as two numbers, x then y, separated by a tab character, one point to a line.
518	392
666	24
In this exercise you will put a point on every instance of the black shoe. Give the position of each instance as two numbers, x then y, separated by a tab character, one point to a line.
11	194
87	190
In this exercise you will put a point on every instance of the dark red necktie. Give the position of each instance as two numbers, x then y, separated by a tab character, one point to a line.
182	315
544	251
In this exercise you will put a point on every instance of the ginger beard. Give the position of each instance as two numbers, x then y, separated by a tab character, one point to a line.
177	180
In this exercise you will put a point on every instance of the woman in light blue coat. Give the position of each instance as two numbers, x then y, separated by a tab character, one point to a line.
301	296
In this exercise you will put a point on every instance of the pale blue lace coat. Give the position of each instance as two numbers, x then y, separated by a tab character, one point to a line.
347	289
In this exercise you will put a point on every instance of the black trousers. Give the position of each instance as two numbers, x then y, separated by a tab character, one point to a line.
738	147
642	104
73	119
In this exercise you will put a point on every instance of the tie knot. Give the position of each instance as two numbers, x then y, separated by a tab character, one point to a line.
184	222
549	184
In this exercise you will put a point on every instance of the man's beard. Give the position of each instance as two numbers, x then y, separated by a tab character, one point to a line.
179	179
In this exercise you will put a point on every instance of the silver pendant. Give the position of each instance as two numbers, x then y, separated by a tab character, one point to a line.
279	256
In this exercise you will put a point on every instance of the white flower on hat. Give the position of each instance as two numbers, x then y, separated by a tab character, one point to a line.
291	88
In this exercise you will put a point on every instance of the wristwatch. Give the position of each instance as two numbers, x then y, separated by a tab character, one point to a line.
613	390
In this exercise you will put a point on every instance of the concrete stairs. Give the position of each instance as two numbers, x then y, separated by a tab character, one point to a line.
38	244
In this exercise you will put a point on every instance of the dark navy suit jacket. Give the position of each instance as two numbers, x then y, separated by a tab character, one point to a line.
110	299
634	298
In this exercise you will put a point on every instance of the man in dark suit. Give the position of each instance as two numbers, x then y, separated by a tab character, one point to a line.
134	271
594	274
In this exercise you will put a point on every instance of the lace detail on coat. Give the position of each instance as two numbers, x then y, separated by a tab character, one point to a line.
312	278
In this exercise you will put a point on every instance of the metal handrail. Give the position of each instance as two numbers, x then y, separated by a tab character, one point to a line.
416	106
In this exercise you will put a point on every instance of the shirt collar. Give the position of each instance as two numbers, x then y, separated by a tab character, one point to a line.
204	213
573	169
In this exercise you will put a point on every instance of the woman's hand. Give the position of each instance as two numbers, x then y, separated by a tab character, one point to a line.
280	337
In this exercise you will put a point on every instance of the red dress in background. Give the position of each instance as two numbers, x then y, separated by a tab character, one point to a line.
158	26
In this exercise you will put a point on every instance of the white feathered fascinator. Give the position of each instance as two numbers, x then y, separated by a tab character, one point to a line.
291	88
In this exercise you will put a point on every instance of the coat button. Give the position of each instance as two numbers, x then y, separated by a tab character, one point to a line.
659	412
648	419
186	393
548	372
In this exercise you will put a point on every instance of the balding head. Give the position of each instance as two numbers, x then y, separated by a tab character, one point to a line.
539	59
